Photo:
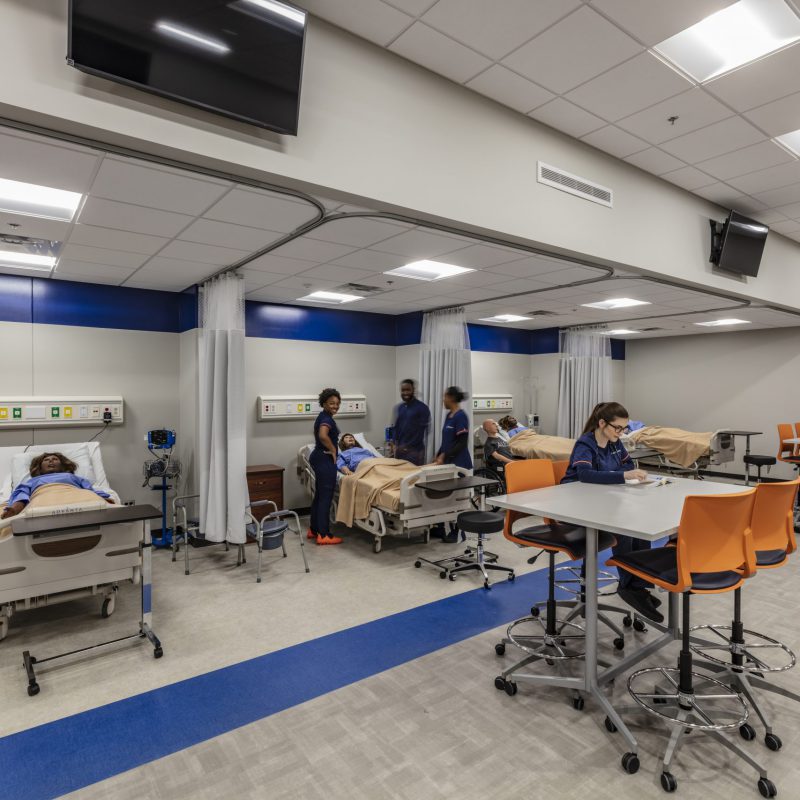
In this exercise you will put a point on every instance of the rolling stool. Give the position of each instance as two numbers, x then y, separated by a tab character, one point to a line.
477	524
757	461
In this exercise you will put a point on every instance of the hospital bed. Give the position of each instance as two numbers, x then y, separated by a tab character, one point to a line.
47	569
417	509
709	450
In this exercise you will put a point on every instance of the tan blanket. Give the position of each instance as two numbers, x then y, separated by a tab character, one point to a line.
679	446
529	444
60	497
375	482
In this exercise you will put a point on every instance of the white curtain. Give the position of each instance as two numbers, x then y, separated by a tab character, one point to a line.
221	450
444	360
584	378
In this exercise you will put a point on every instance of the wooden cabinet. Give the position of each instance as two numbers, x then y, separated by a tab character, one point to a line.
265	482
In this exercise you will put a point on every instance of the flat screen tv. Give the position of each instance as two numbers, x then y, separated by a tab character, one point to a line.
739	246
239	58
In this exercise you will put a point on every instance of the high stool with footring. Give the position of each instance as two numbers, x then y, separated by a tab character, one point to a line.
713	553
751	654
759	462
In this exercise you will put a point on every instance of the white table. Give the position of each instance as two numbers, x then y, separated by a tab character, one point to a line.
647	512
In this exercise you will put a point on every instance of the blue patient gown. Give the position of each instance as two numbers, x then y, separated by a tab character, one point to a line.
26	488
353	457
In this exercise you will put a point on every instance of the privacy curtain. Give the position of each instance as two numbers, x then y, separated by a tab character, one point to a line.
584	378
444	361
221	451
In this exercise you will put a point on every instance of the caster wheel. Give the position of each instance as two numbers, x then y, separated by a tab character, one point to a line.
619	643
511	577
33	690
767	788
442	575
638	625
630	763
500	683
417	564
376	546
773	742
467	552
549	662
452	577
747	732
500	649
610	726
486	585
627	621
668	782
511	688
535	612
107	609
578	703
158	652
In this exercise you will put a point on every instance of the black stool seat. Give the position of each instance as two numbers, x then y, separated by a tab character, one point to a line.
569	538
480	522
770	558
760	461
662	563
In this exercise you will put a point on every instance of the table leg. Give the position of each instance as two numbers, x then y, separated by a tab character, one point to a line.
147	590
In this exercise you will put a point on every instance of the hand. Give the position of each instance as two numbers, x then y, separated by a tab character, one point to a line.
439	459
13	510
347	471
110	501
638	474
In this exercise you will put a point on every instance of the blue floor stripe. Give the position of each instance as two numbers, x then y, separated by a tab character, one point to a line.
67	754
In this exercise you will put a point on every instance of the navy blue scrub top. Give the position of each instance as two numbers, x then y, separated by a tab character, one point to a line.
411	425
454	425
324	418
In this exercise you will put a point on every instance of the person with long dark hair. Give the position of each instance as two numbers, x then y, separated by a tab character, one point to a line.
323	462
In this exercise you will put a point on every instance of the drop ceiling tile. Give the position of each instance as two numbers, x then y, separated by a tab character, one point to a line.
163	283
510	89
786	228
370	19
780	197
371	260
471	280
713	140
688	178
39	228
116	240
225	234
767	179
567	117
419	244
629	88
313	250
32	160
569	274
99	255
255	279
727	196
105	279
760	82
615	141
439	53
175	268
656	161
792	210
136	219
271	294
131	182
769	216
203	253
531	267
414	7
572	51
517	286
330	272
270	212
779	116
478	256
694	109
357	232
652	21
496	30
748	159
68	269
305	284
280	264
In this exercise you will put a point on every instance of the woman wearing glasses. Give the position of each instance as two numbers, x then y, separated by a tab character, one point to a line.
599	457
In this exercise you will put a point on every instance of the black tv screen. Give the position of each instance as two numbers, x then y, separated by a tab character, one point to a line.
741	245
239	58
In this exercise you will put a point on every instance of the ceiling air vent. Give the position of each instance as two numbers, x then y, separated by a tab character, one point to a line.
359	288
649	330
567	182
542	313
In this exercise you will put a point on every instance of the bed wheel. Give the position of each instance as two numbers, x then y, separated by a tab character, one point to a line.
158	652
3	627
33	689
108	607
376	545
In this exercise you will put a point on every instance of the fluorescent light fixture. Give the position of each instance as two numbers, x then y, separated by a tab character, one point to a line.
293	14
505	318
734	36
791	141
717	322
191	37
617	302
38	201
335	298
619	332
8	258
428	270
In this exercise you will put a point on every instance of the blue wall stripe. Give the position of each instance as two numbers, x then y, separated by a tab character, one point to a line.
67	754
494	339
15	299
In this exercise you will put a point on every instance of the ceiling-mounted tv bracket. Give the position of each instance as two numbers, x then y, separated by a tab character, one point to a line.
716	240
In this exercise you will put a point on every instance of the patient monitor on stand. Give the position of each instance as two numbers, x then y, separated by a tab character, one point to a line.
161	468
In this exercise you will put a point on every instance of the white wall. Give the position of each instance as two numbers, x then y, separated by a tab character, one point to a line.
361	137
739	380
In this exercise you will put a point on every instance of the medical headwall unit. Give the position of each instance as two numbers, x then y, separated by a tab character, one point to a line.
306	406
51	411
485	403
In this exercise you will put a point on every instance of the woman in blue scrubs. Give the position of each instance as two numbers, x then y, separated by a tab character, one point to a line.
323	462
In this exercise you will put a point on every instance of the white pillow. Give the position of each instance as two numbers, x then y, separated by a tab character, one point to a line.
21	462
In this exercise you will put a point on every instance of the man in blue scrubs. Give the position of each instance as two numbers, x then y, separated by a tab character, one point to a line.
412	420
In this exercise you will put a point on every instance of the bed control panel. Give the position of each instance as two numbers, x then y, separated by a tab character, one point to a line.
306	407
490	403
50	411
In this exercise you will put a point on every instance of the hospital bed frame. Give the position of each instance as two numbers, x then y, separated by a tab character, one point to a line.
43	572
418	511
721	450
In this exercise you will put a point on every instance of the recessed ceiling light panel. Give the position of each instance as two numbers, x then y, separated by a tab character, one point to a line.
617	302
506	318
33	200
619	332
333	298
714	323
428	270
736	35
790	141
38	263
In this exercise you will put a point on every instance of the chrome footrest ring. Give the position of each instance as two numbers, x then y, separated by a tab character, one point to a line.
755	651
530	634
573	584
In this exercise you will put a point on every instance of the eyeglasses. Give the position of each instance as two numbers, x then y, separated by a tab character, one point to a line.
620	429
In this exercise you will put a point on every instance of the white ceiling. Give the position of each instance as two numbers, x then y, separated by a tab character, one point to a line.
584	68
150	226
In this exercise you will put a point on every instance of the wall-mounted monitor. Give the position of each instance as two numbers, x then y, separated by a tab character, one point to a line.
239	58
739	244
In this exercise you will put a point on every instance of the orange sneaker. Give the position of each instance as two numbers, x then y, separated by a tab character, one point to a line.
328	539
310	534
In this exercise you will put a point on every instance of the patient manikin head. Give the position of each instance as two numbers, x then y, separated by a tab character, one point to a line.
508	423
47	463
490	426
347	441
